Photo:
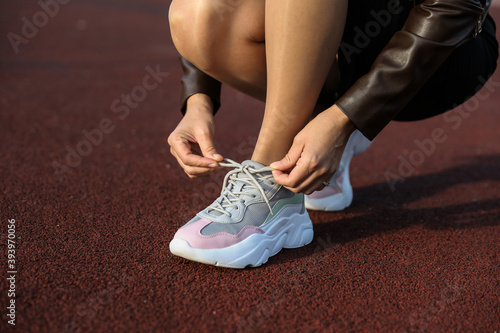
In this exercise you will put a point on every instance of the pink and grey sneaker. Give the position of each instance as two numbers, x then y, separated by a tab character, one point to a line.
338	195
252	220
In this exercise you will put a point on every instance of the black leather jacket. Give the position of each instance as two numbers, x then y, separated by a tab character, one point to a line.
433	29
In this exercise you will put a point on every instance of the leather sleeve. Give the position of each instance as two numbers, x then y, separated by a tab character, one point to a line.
432	31
195	81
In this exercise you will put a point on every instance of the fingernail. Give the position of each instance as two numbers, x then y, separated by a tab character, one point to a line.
275	165
213	165
217	156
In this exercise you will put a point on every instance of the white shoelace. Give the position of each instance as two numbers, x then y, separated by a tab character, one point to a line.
251	177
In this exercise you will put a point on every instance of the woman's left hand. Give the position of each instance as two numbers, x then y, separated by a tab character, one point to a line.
315	153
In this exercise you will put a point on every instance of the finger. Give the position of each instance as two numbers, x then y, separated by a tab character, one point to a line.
282	178
208	150
193	172
316	181
290	159
301	179
182	148
308	186
320	180
317	185
295	180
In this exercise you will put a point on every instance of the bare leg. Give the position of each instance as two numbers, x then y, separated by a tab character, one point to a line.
301	40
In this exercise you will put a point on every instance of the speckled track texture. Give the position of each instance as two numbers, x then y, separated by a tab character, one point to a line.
419	253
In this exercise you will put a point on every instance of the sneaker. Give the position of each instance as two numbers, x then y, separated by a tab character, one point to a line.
252	220
338	195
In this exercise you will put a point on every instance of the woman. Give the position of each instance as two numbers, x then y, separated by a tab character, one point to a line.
360	64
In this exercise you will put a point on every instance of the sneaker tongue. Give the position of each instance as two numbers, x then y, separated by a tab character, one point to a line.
253	164
241	186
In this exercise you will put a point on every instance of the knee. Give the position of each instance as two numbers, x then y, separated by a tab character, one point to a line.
178	17
194	28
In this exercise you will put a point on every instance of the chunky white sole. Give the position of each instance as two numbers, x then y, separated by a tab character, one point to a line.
336	202
287	232
356	145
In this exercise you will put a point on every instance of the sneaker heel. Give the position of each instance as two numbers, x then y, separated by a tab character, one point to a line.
302	232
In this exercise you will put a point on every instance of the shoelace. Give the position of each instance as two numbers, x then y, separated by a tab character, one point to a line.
229	196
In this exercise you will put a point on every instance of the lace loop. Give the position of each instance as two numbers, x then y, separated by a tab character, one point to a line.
247	175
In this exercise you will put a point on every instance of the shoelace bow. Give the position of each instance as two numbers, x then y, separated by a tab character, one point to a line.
229	196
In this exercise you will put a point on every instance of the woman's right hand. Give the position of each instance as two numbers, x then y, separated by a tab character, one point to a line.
191	143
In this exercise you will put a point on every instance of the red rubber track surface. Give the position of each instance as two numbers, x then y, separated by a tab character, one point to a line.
92	252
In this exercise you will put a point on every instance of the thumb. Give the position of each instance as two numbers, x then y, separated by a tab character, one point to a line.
290	159
208	150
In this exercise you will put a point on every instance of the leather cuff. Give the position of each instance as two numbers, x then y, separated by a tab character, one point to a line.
194	81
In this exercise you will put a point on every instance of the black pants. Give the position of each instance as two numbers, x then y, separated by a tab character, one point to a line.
459	78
